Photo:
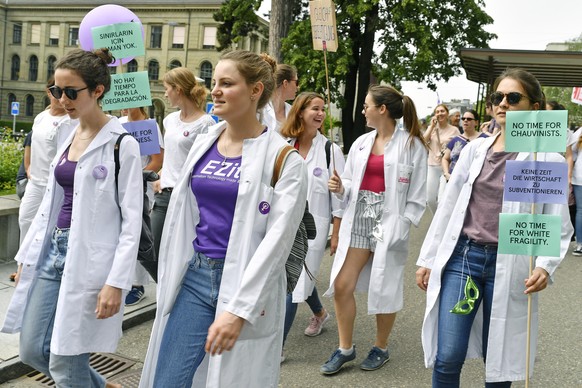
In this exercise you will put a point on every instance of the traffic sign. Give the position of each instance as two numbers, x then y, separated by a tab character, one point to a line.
15	108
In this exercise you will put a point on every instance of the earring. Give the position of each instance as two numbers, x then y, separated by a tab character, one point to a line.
252	98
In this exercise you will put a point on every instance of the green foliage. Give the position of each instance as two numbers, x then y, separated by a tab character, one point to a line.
238	18
11	153
563	96
20	125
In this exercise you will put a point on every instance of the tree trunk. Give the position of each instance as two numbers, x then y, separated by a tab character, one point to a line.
280	21
365	67
350	90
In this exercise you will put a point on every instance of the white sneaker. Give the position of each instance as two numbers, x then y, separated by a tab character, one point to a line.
578	250
316	324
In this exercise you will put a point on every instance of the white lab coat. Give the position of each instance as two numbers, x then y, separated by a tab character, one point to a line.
322	206
405	168
253	281
269	118
506	350
103	244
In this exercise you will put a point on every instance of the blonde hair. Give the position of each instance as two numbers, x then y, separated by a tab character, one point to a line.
255	68
182	79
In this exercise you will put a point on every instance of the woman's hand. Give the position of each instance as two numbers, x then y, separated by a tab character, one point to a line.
108	302
335	183
17	277
157	186
333	242
223	333
422	276
537	281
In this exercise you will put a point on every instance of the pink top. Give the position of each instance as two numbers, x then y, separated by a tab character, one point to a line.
374	176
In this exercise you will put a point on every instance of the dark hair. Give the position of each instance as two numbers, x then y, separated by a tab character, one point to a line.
474	113
293	126
284	73
555	105
50	82
184	80
529	83
254	68
398	106
91	66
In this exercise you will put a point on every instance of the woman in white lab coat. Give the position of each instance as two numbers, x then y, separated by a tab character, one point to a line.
302	126
228	233
79	255
462	243
384	186
273	115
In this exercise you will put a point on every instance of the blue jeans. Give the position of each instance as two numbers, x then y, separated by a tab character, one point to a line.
182	347
478	261
38	322
291	310
578	223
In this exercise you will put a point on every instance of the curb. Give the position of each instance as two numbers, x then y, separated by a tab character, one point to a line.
14	368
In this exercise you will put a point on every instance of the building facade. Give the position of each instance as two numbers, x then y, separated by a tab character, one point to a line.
37	33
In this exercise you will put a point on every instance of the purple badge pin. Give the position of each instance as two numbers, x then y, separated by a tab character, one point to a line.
186	133
100	172
317	171
264	207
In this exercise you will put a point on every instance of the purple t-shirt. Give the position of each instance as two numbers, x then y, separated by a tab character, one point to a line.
215	183
65	177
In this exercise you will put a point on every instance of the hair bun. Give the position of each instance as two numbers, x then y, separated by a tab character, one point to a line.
105	55
270	60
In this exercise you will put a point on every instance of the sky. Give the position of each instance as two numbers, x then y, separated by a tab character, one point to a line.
519	25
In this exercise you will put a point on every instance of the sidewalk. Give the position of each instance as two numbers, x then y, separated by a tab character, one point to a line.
10	365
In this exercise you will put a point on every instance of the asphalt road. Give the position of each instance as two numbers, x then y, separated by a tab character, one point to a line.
558	361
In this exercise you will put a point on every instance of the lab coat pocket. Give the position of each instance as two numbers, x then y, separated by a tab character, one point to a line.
99	264
399	240
404	174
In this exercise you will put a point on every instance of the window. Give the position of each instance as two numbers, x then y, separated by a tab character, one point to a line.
153	70
206	73
156	37
53	35
50	67
15	68
33	68
17	34
45	102
132	66
35	33
29	105
11	99
73	36
112	70
175	63
178	40
209	38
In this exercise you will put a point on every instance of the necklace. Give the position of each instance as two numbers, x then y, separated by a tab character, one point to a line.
86	138
225	153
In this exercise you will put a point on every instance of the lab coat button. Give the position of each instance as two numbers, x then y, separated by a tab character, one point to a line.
453	238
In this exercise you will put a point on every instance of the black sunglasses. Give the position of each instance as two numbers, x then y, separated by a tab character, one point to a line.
513	98
467	119
69	92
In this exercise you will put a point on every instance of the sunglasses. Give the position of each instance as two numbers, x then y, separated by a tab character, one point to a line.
513	98
69	92
465	306
467	119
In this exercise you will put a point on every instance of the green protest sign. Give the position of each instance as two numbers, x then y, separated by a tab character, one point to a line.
124	40
128	90
536	131
530	234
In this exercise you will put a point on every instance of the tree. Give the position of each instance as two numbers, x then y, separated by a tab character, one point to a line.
389	41
280	21
238	18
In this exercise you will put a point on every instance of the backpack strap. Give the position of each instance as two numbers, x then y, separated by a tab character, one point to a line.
282	155
328	153
116	157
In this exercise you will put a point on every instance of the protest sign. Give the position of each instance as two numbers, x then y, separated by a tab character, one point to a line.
530	234
537	182
146	134
323	25
124	40
129	90
536	131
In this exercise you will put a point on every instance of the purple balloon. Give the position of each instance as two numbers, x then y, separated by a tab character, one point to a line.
102	16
